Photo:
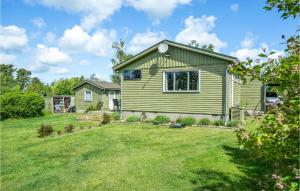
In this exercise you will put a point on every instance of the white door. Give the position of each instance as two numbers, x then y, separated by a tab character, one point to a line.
111	96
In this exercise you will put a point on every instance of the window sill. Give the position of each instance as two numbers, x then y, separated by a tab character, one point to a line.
88	100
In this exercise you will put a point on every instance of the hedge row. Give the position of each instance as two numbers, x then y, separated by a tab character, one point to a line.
16	105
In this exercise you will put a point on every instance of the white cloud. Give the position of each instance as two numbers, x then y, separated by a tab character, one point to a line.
50	38
199	29
234	7
92	11
58	70
245	53
51	55
39	22
12	37
102	77
7	58
76	39
248	41
84	63
141	41
157	9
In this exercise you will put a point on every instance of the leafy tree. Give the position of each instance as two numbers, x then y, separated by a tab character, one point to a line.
289	8
37	86
276	138
23	78
65	86
209	47
7	81
120	56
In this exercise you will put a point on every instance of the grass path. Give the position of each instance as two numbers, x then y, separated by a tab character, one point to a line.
117	157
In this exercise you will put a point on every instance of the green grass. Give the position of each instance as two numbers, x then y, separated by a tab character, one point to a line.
118	157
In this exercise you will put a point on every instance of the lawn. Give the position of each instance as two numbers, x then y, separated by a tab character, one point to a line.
119	157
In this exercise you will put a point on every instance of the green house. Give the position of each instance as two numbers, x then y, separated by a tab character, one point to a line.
90	93
180	80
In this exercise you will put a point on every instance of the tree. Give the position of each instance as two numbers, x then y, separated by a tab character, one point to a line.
276	138
7	81
120	56
209	47
37	86
65	86
23	78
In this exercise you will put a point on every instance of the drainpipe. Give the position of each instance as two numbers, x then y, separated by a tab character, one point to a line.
121	93
226	97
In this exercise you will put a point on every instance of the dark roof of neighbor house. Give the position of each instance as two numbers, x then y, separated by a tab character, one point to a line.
100	84
179	45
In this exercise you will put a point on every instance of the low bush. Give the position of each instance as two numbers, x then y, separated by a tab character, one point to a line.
161	119
45	130
149	121
81	128
70	128
204	121
106	118
59	132
219	122
133	118
15	105
96	107
186	121
232	123
116	115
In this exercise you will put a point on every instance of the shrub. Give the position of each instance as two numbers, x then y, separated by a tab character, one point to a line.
96	107
99	105
160	119
219	122
204	121
14	105
133	118
186	121
70	128
81	128
59	132
116	115
106	118
232	123
149	121
45	130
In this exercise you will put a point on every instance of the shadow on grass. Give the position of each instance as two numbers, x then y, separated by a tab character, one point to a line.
255	174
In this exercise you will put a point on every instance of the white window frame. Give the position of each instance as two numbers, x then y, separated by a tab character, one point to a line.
85	96
164	85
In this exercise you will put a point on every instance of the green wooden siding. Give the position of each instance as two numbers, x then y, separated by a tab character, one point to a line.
236	93
252	95
147	93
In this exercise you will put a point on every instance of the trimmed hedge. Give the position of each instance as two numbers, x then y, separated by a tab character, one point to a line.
15	105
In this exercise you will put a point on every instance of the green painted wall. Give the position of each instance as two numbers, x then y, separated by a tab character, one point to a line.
236	93
146	94
98	95
252	95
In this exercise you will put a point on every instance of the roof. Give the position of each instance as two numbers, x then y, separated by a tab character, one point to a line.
101	85
179	45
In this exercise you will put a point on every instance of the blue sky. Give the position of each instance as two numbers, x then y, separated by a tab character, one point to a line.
64	38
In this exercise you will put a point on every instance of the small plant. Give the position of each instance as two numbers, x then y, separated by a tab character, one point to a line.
106	118
219	122
116	115
232	123
70	128
99	105
45	130
59	132
149	121
204	121
143	116
186	121
133	118
162	119
81	128
90	127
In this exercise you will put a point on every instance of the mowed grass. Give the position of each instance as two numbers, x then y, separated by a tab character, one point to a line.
118	157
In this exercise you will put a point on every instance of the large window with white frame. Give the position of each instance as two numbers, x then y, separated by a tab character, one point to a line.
88	95
181	81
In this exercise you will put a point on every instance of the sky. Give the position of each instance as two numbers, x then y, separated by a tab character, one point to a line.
66	38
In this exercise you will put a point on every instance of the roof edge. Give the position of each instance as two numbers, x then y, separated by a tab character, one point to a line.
94	84
178	45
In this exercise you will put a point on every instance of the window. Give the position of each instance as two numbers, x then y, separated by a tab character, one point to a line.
132	74
185	81
88	96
